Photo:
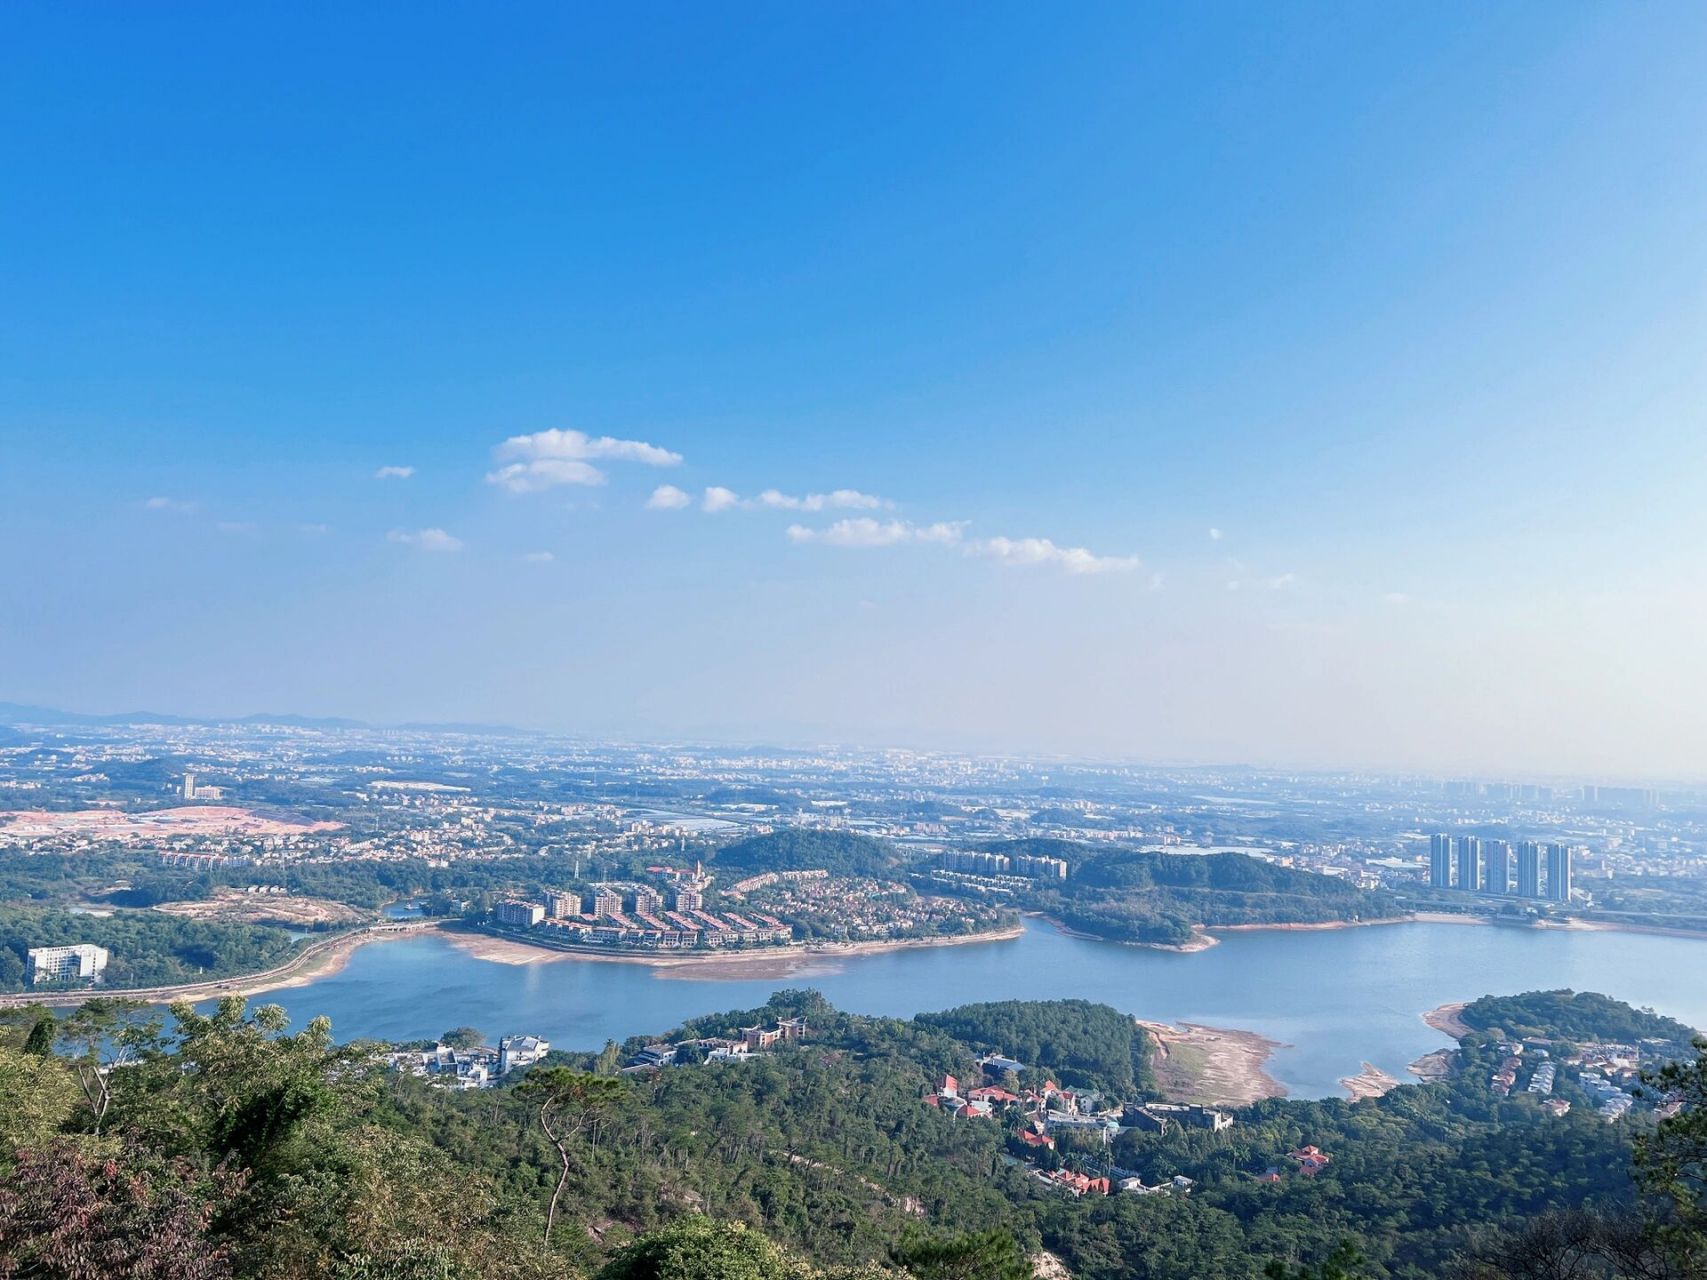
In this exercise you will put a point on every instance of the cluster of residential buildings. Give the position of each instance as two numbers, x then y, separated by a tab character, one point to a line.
737	1048
80	962
1002	864
1042	1113
1609	1073
471	1068
1474	865
639	916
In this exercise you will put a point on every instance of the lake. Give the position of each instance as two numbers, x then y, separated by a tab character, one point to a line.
1335	997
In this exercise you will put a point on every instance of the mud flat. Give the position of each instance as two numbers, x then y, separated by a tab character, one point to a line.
770	962
1448	1019
1434	1066
1371	1082
1214	1066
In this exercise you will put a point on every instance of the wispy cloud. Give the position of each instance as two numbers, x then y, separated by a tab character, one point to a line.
1215	535
314	528
718	499
538	557
1280	581
1396	597
176	506
245	528
1028	551
666	497
843	499
394	473
867	532
425	539
863	531
547	459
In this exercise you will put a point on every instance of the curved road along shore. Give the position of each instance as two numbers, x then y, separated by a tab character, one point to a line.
237	984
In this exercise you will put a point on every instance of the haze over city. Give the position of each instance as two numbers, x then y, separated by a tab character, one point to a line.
1300	385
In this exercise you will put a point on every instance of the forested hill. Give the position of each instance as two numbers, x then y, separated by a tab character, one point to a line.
1145	896
809	849
1124	894
235	1149
1084	1045
1573	1016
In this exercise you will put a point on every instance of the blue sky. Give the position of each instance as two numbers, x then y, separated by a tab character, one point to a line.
1405	304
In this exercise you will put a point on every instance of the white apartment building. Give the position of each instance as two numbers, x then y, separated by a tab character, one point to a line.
65	964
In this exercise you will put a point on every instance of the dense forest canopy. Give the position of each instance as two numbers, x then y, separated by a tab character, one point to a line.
147	948
1085	1045
232	1146
809	849
1572	1015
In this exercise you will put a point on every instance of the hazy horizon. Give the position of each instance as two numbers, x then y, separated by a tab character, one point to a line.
1311	387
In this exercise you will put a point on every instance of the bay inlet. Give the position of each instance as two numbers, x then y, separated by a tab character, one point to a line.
1335	1000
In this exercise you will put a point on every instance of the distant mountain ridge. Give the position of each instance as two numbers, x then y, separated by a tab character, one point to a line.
16	713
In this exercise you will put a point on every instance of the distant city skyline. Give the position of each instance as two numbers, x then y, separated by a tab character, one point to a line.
1304	387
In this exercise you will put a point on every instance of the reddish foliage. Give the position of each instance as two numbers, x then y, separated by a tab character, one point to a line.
64	1216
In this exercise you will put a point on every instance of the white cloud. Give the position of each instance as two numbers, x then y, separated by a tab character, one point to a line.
1281	581
314	528
544	473
247	528
174	505
1233	585
666	497
1075	560
863	531
394	473
1215	535
1396	597
717	498
844	499
425	539
538	557
547	459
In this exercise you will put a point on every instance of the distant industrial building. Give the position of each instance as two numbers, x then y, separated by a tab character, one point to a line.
82	962
1619	797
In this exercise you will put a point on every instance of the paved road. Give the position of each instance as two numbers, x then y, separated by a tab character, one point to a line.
236	984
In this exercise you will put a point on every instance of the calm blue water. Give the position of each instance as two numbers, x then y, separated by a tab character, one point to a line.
1336	998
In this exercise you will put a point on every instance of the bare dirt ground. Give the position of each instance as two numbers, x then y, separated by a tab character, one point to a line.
1447	1019
795	960
1434	1066
187	820
1212	1065
1371	1082
265	908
